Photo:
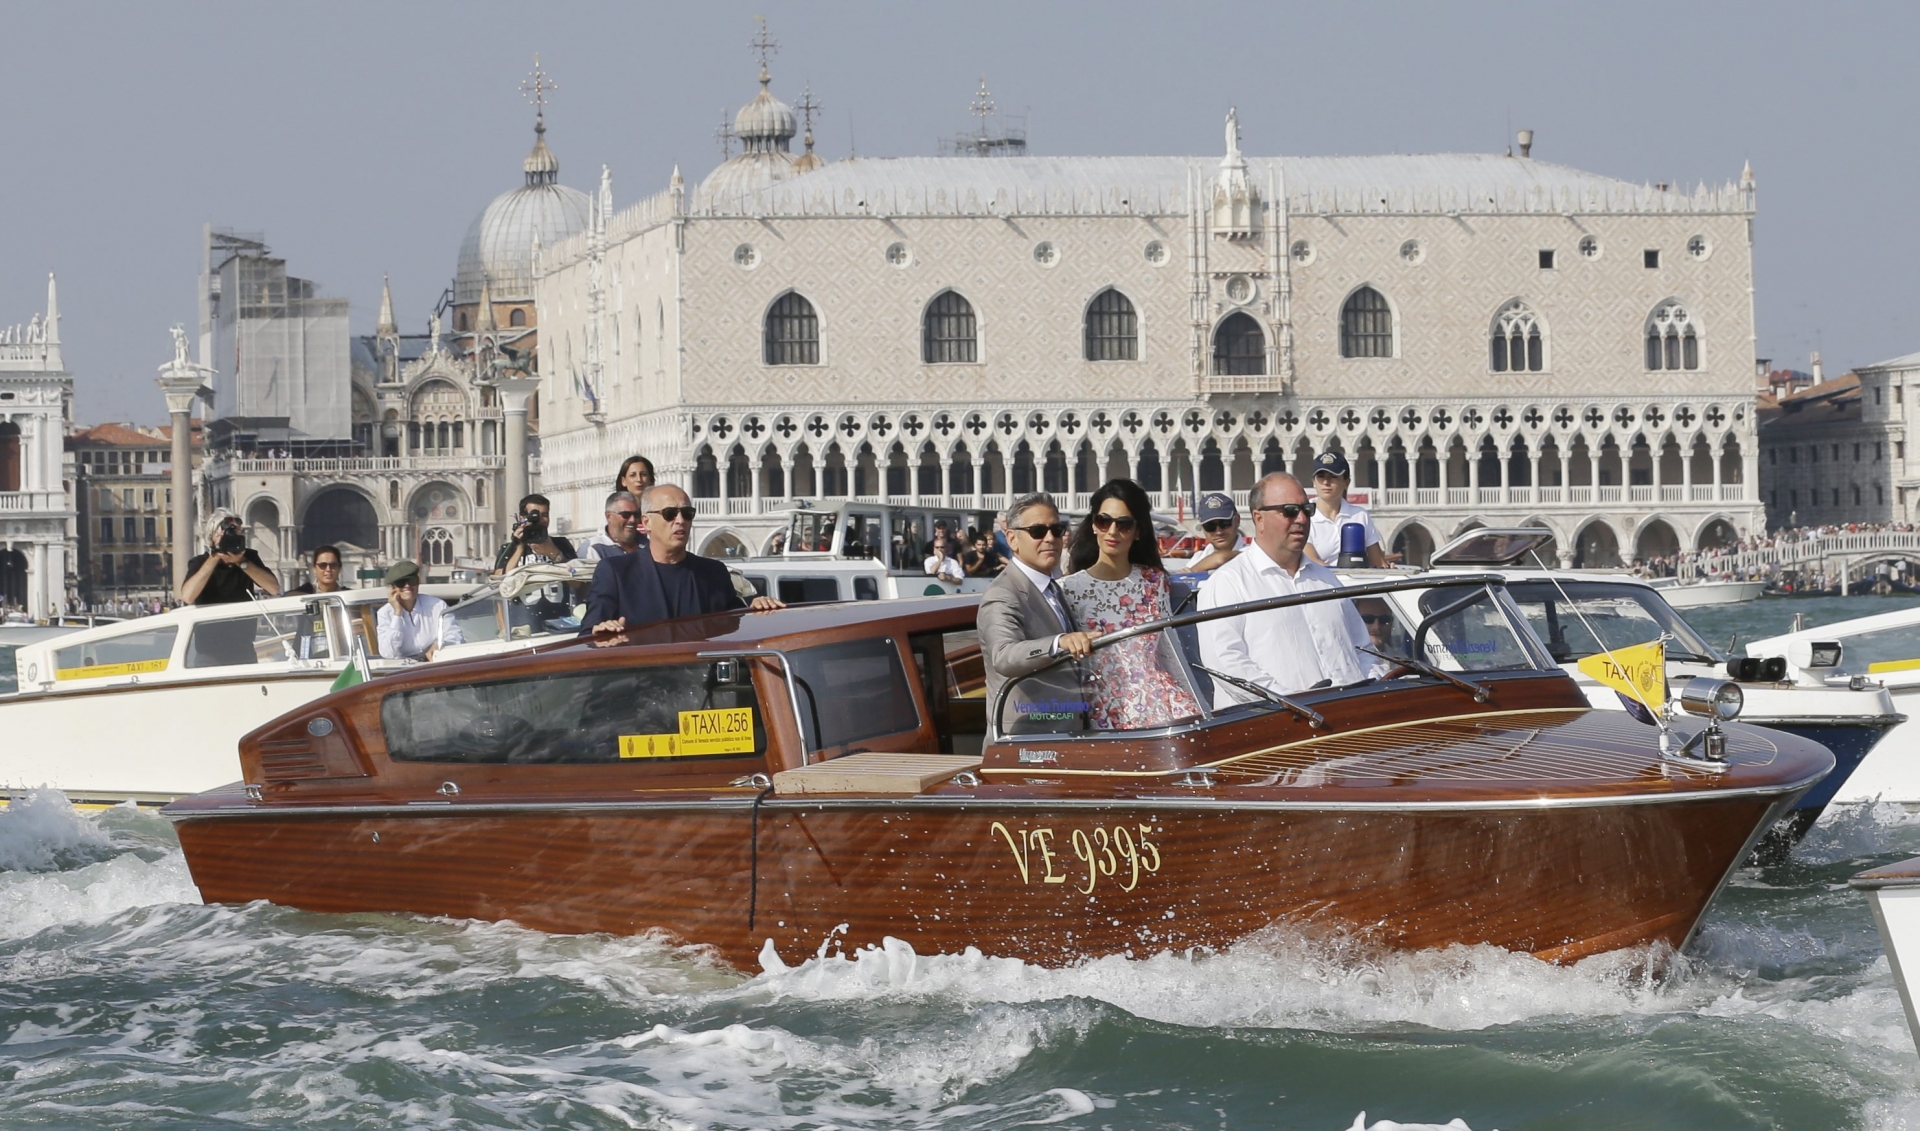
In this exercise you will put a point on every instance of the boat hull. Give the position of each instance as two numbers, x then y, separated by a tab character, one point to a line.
148	743
1894	893
1703	594
1051	882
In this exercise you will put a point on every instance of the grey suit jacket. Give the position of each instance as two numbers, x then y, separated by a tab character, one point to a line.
1017	628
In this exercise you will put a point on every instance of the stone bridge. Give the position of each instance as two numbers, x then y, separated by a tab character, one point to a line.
1831	554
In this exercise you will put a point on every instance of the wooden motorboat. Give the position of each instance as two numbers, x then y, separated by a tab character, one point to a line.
829	775
1894	891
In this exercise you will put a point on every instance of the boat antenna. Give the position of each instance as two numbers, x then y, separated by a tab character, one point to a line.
1666	733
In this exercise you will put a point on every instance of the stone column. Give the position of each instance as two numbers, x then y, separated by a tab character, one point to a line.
515	392
182	383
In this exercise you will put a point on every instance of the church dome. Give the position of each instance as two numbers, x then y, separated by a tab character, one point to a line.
766	122
499	243
765	127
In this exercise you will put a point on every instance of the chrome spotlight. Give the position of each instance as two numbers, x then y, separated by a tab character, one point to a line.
1718	699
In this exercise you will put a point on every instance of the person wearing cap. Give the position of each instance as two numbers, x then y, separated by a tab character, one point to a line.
1220	522
413	625
1331	511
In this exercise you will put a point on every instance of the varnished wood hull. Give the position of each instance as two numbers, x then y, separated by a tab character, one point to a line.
1049	882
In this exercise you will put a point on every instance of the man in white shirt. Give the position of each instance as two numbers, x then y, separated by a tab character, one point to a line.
622	534
1283	650
941	563
413	625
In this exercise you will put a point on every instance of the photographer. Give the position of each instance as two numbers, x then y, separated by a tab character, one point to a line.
229	571
533	543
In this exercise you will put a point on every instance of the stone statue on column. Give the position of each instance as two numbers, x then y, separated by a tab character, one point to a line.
183	383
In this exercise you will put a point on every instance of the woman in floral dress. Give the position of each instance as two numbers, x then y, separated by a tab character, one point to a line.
1116	581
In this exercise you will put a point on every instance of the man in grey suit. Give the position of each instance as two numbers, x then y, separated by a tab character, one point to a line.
1024	625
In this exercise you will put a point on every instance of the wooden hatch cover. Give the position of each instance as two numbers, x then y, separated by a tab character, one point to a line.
873	771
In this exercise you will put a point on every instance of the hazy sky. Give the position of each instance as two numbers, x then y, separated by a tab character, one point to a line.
364	138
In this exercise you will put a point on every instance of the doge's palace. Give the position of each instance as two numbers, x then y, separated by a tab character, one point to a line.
1490	338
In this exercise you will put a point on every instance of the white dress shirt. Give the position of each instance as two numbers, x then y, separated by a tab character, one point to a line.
408	635
946	568
1051	592
1324	534
1283	650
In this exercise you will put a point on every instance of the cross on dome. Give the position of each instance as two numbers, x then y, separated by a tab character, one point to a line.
765	46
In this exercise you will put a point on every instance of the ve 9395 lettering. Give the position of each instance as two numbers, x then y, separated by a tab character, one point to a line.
1084	857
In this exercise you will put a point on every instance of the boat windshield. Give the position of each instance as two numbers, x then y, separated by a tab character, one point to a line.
811	532
537	610
638	715
1278	654
1622	615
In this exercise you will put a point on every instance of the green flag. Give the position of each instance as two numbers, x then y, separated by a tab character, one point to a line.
355	672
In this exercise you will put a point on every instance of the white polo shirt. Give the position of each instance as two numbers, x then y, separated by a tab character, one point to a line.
1284	650
1324	534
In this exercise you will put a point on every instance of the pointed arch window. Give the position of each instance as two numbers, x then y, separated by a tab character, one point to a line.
948	334
1239	346
1673	338
792	335
1518	344
1113	328
1366	325
436	547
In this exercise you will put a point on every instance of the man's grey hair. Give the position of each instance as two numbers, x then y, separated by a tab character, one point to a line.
620	497
1031	499
1257	497
646	497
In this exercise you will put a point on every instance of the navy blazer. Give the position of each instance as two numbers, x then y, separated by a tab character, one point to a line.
628	585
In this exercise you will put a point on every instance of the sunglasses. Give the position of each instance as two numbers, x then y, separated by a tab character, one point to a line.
1113	521
1290	511
627	514
1377	618
326	565
409	583
674	514
1218	524
1039	531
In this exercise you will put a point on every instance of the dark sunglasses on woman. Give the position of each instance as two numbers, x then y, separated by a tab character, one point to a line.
1110	521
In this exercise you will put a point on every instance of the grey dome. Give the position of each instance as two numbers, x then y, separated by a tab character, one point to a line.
765	127
766	122
499	243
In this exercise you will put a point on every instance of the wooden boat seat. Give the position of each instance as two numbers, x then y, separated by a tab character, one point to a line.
873	771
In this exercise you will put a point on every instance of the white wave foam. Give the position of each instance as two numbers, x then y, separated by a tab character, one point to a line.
1360	1124
41	830
31	902
1272	981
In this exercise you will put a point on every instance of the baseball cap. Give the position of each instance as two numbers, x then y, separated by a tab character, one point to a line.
1215	505
1333	463
402	571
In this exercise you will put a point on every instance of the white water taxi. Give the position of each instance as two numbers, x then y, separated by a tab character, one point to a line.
151	709
1700	594
1882	650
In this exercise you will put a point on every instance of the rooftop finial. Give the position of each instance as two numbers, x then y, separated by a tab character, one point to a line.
538	88
723	134
982	106
766	47
808	108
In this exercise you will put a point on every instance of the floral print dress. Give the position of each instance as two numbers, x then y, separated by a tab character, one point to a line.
1133	688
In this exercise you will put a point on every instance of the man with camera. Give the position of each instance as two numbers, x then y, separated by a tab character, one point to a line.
229	571
532	542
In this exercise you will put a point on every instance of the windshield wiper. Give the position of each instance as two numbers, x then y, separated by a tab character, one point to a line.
1314	718
1480	691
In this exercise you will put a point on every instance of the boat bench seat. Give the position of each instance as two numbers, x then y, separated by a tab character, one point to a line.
873	771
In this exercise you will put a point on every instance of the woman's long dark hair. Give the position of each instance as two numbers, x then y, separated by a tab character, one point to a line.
629	462
1084	550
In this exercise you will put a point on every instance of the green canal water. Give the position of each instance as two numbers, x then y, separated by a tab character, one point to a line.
124	1002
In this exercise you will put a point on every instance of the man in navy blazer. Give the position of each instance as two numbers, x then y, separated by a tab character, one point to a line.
661	581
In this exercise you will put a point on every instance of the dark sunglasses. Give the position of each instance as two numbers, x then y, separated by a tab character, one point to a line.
674	514
627	514
409	583
326	565
1290	511
1112	521
1377	618
1218	524
1039	531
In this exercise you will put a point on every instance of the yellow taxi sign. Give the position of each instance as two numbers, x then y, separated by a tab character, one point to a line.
724	730
102	671
1638	672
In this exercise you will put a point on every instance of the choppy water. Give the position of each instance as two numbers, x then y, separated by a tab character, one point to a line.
125	1003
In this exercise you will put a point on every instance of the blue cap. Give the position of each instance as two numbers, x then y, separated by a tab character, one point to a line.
1216	505
1333	463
